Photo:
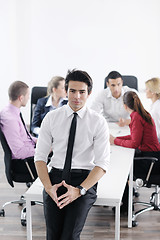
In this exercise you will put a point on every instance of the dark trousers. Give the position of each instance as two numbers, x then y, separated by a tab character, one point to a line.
67	223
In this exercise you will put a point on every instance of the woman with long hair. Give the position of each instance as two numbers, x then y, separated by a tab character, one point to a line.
143	138
153	92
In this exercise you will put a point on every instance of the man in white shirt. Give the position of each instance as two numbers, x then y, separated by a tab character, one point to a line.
66	211
109	101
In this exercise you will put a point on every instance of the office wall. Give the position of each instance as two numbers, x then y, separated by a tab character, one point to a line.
43	38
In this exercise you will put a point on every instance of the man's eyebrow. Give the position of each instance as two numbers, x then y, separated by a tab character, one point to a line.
80	90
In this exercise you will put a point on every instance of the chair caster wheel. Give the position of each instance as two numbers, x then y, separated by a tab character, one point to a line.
136	194
29	184
2	212
134	223
23	222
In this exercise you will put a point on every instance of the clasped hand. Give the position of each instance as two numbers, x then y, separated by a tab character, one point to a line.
121	122
111	139
71	194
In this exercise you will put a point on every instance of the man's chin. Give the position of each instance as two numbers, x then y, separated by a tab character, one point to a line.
76	107
116	95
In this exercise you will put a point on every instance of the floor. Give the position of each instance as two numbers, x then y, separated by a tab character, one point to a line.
99	224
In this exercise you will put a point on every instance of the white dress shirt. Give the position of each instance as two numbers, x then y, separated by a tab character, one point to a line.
91	146
111	108
155	113
50	104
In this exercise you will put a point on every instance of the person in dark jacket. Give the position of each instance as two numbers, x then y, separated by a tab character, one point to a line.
56	97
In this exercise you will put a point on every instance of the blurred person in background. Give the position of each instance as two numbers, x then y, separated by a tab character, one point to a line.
56	97
153	92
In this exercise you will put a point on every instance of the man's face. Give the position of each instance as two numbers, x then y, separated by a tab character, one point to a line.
77	94
24	98
115	86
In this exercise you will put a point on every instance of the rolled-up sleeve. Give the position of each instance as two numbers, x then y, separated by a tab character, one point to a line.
102	145
44	142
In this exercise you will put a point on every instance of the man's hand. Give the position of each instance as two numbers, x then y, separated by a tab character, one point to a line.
121	122
71	195
111	139
52	191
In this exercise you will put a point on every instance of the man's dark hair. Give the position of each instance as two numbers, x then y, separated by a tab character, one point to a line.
80	76
17	89
113	75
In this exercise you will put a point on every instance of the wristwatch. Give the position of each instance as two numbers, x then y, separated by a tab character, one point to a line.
82	190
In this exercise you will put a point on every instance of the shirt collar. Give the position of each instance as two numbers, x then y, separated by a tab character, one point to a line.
49	101
14	108
80	113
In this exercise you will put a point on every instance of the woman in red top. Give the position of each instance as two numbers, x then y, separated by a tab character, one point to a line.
143	136
142	127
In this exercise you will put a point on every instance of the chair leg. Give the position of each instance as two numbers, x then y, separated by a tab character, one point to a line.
153	205
23	212
142	211
20	202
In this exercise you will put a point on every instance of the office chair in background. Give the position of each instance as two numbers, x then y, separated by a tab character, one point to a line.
150	180
36	93
128	80
20	177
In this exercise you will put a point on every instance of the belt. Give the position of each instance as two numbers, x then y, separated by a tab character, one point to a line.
72	170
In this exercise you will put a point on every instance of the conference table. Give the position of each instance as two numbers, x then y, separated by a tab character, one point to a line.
110	187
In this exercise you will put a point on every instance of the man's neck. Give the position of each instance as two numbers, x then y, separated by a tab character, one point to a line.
16	103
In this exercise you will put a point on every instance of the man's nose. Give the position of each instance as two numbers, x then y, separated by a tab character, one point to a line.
116	88
77	94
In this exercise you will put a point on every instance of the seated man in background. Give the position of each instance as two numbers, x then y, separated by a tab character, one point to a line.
109	102
56	97
21	143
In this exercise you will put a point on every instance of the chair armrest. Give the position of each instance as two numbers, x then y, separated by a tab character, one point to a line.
152	159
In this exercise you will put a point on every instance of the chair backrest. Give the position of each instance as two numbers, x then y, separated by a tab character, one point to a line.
7	158
128	80
36	93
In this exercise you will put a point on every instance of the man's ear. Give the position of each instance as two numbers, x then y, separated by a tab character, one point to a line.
20	98
107	84
90	93
122	82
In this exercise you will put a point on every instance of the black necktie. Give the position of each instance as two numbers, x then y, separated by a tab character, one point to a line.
26	128
68	159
